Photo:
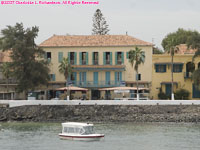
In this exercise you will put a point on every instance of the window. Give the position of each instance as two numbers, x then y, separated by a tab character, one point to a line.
118	77
95	58
84	58
52	77
160	68
107	58
72	58
49	56
138	76
177	67
119	58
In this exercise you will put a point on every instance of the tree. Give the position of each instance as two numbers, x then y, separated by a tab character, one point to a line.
136	58
182	94
65	69
192	39
28	66
156	50
172	49
100	26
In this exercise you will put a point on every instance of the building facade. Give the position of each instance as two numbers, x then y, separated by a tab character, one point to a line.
98	61
182	73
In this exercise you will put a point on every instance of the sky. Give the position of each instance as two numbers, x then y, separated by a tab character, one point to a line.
148	20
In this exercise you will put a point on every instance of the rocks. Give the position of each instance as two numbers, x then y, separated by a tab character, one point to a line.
97	113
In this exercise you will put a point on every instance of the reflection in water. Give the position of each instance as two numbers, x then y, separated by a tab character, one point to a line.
120	136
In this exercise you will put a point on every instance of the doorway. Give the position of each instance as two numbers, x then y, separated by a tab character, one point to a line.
95	94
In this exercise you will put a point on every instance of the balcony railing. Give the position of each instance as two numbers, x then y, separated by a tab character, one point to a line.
187	75
83	62
72	62
95	62
107	62
119	62
96	83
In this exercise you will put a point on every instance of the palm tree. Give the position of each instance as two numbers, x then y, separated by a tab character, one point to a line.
65	69
172	49
6	72
136	57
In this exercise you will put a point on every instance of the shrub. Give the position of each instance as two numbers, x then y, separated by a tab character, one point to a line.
182	94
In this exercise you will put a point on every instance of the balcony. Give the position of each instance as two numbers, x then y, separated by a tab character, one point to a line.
98	84
187	75
83	62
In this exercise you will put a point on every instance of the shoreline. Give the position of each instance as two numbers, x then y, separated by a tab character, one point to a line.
102	113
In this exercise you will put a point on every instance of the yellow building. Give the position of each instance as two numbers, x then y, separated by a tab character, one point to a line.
98	61
182	73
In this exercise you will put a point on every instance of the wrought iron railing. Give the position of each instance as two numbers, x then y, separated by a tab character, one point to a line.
96	83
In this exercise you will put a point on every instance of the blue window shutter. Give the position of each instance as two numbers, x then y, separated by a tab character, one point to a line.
53	77
116	77
75	58
165	68
80	77
115	58
86	58
156	67
75	78
80	58
95	78
195	92
120	76
110	58
122	57
104	58
127	55
60	56
85	77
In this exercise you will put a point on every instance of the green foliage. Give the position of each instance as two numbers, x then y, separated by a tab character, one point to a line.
196	78
100	26
5	67
28	65
182	94
65	68
136	57
162	96
156	50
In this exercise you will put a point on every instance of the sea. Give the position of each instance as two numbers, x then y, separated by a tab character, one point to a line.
118	136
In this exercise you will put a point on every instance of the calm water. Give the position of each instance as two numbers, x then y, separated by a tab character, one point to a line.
126	136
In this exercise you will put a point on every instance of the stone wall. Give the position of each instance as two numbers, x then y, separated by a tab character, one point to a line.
103	113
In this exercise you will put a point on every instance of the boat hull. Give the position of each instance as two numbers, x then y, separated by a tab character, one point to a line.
82	137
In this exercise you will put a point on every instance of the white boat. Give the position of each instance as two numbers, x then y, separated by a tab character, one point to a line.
79	131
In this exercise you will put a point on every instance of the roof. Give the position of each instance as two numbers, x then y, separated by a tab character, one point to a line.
92	40
183	49
75	124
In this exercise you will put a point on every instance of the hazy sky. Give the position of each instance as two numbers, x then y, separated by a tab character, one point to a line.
143	19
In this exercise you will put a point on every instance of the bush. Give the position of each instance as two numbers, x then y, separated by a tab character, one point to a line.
162	95
182	94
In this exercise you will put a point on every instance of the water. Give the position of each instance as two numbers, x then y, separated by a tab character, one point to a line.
126	136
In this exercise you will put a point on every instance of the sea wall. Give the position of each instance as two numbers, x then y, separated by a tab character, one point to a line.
102	113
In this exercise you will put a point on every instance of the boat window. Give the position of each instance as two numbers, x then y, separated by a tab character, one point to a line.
82	131
77	130
89	130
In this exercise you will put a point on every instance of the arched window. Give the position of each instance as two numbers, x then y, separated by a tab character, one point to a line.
190	67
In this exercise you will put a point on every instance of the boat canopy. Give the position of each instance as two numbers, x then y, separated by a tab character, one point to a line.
77	128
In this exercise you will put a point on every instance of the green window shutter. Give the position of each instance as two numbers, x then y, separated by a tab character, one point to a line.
122	57
110	58
60	57
75	59
86	58
164	68
104	58
115	58
127	55
80	58
68	57
116	77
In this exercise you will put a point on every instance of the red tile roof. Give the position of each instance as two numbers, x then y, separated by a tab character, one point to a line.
92	40
5	56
